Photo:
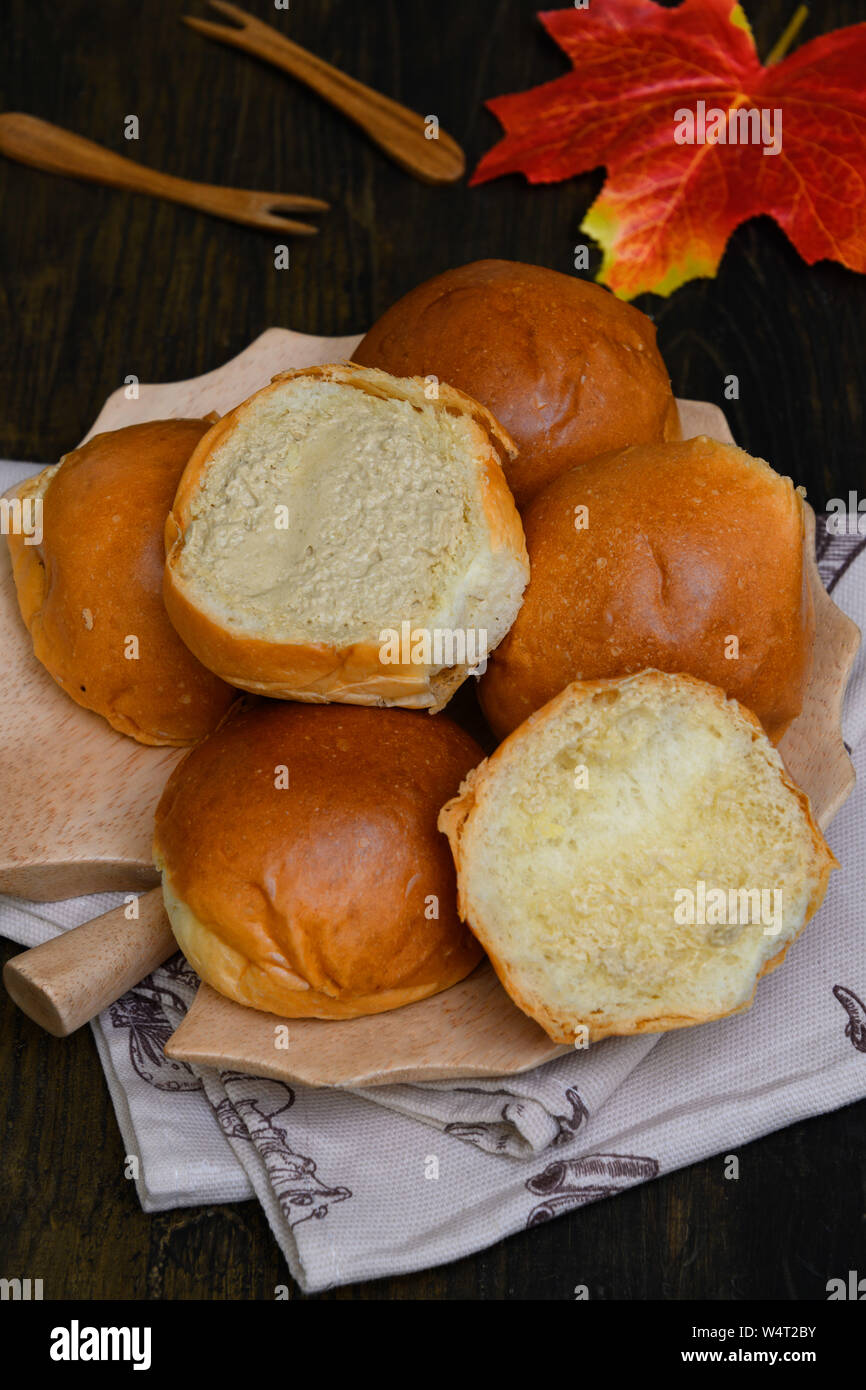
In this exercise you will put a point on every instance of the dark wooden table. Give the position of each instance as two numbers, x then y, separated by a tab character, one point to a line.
98	285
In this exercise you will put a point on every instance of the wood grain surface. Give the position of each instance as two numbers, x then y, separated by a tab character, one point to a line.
98	285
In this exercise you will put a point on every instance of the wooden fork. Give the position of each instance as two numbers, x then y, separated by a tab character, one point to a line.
45	146
401	133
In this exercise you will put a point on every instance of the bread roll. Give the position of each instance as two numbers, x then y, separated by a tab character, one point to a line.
610	852
302	869
682	556
341	537
569	370
90	593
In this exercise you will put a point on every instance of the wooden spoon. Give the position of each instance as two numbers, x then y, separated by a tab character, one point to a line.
401	133
29	140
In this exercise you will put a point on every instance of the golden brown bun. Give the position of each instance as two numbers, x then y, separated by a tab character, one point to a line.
654	889
312	899
569	370
96	580
687	546
226	628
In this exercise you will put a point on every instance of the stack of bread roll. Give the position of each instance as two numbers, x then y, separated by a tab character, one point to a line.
495	487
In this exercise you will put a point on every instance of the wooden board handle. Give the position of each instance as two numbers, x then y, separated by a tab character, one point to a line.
66	982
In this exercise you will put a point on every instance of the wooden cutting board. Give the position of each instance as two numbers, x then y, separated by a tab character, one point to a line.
76	797
77	803
473	1029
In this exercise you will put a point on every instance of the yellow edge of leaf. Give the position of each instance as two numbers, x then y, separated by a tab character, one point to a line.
738	18
602	224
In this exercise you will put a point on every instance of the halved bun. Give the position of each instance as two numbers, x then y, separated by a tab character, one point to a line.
324	514
583	843
681	556
303	872
569	370
94	583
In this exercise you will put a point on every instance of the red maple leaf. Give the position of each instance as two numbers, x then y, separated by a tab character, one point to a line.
667	209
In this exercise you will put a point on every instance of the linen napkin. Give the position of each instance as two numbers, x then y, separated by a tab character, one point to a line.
366	1183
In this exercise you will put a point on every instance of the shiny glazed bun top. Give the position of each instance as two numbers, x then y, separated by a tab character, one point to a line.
91	592
566	368
687	557
302	868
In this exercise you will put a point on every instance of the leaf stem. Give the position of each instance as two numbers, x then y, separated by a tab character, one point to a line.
782	44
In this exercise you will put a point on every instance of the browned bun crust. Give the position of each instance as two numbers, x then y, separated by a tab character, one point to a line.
316	671
569	370
687	545
96	580
311	900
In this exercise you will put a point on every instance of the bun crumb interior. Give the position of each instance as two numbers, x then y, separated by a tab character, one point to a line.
299	450
333	506
615	813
